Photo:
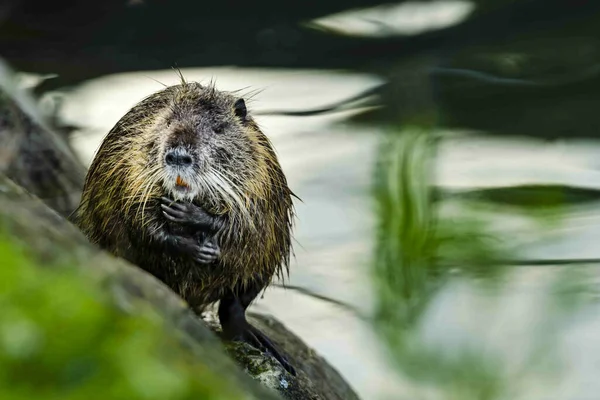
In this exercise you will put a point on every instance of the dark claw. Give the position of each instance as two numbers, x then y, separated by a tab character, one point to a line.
207	252
204	260
173	214
168	200
174	204
186	214
172	218
256	338
212	249
173	211
208	255
267	344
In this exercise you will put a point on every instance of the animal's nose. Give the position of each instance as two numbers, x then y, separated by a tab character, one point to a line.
178	158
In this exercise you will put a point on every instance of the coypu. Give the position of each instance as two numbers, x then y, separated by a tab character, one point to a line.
187	187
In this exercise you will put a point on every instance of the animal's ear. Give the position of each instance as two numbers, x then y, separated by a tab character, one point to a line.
240	109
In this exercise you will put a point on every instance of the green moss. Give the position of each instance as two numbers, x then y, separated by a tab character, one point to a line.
252	359
61	338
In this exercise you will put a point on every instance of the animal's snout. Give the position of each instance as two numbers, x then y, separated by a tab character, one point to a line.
178	157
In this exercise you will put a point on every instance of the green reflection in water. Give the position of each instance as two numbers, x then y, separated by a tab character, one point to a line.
416	253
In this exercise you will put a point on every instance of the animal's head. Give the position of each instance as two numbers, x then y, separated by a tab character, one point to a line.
208	147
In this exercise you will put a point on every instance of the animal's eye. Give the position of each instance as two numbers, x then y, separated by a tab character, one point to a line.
220	128
240	109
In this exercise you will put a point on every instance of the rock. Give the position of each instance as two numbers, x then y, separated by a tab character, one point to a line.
315	373
315	379
33	154
51	241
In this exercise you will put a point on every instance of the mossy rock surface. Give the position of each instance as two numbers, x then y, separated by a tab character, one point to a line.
315	379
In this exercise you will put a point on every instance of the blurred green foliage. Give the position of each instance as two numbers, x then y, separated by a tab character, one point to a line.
417	252
61	338
433	272
417	248
534	197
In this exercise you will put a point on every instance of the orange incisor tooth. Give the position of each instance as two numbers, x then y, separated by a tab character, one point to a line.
180	182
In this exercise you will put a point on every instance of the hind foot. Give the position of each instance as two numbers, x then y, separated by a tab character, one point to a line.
232	315
255	338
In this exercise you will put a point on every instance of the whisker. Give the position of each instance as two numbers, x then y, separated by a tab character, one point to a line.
226	189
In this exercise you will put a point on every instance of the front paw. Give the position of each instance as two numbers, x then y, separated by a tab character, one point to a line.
205	252
209	252
185	214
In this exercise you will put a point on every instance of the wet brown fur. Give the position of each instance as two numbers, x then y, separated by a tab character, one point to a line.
120	201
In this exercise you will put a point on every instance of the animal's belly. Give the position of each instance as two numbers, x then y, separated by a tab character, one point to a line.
196	283
199	284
